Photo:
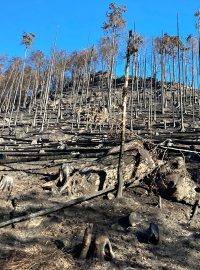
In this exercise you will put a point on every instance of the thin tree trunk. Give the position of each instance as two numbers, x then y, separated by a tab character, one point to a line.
162	81
46	94
21	86
179	80
123	131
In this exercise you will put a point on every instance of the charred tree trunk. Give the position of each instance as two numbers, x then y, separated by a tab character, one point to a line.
179	81
21	86
163	81
123	124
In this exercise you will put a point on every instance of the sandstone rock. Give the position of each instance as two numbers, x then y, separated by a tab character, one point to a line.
175	182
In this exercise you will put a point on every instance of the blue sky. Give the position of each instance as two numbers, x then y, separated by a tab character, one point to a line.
79	22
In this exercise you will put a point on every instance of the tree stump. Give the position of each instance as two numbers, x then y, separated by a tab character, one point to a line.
86	241
103	248
99	248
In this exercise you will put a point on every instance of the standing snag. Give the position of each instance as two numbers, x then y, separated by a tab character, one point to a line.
123	121
115	23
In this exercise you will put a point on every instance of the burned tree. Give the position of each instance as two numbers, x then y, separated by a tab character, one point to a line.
129	52
112	28
137	41
27	40
197	15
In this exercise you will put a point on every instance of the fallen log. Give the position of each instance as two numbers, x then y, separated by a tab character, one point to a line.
55	157
54	152
177	149
19	160
57	207
65	205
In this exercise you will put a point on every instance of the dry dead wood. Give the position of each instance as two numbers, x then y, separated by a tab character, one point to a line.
177	149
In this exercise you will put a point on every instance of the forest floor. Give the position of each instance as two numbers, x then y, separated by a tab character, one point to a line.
49	242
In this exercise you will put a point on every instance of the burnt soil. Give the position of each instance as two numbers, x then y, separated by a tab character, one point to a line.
52	241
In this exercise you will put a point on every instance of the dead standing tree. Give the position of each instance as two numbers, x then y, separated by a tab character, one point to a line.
191	42
179	45
167	45
104	48
129	52
113	28
15	68
27	40
3	61
61	62
197	15
160	46
47	89
36	60
9	77
88	56
136	44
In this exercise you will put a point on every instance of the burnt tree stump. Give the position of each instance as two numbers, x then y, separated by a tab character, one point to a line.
103	248
86	241
99	247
